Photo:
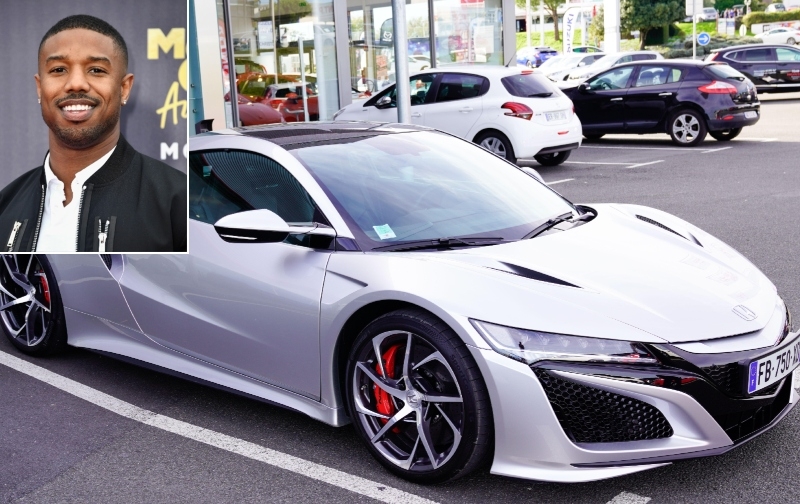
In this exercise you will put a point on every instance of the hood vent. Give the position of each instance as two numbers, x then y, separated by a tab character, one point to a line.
662	226
513	269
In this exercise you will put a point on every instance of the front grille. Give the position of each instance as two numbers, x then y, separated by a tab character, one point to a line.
590	415
743	423
728	378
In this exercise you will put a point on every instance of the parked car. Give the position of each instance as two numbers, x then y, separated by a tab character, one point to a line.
684	98
773	68
705	14
253	113
570	63
532	57
780	35
517	114
586	49
775	7
454	309
257	89
611	60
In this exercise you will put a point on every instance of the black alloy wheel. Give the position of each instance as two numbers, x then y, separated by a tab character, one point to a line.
552	159
725	135
417	398
687	128
497	143
30	305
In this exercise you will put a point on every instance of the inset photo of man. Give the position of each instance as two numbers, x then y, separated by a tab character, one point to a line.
99	114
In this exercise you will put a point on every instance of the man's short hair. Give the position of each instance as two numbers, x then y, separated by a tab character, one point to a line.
94	24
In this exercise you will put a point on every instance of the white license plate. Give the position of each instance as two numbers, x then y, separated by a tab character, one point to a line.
555	116
772	368
751	114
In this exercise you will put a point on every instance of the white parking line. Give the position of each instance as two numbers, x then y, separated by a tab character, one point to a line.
635	148
559	181
645	164
714	150
373	489
594	163
629	498
764	140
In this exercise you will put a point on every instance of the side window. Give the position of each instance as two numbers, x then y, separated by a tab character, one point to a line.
787	54
419	84
643	57
758	55
653	75
624	59
613	79
223	182
735	56
459	87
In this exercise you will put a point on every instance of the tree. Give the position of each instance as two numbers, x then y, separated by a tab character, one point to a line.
645	15
550	6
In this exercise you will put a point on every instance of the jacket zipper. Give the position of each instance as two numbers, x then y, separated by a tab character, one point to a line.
78	228
38	221
12	238
102	235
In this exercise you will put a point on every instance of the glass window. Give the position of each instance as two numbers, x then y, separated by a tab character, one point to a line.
653	75
624	59
468	31
787	54
725	72
758	55
226	182
643	57
461	87
420	85
528	85
613	79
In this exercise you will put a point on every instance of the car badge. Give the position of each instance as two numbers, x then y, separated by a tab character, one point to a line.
744	312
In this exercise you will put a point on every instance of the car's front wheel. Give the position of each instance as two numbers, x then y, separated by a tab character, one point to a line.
552	159
791	41
687	128
498	143
725	135
30	305
417	399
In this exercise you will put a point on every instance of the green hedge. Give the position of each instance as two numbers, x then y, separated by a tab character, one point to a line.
770	17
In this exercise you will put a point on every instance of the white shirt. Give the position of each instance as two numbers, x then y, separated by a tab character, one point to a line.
59	231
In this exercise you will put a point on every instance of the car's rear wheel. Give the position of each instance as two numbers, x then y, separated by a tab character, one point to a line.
687	128
791	41
725	135
30	305
553	159
498	143
417	399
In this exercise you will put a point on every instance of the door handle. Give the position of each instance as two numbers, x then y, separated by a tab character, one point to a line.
465	109
664	94
416	114
615	99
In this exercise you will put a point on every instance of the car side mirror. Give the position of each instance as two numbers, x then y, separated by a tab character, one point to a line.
584	88
384	102
263	226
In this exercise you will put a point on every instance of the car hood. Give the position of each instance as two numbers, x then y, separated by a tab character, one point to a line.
637	266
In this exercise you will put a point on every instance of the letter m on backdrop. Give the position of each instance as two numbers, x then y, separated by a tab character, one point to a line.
174	41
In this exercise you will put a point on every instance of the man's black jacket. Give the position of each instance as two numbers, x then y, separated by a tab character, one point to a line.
133	203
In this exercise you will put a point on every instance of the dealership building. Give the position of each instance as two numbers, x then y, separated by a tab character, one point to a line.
259	52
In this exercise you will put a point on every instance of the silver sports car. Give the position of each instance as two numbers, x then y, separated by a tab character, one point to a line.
451	306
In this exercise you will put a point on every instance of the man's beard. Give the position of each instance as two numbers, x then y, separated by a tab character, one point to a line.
78	137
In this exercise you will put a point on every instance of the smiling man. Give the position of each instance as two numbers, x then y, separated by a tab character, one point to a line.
94	192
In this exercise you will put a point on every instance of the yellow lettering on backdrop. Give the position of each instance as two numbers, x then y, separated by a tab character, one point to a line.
175	40
172	103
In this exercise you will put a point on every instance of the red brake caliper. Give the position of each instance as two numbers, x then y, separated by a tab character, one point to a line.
45	289
383	400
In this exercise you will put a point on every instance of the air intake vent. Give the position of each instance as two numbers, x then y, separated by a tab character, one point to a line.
106	259
658	224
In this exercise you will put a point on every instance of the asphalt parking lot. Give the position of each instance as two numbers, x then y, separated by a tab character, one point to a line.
63	440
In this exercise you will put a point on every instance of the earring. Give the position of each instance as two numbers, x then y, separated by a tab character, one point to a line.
39	100
124	102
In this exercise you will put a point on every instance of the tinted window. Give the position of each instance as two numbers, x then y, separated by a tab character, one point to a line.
653	75
786	54
735	56
613	79
757	55
459	87
226	182
725	72
528	84
420	85
643	57
624	59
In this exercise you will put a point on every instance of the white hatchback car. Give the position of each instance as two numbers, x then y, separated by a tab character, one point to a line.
517	114
780	35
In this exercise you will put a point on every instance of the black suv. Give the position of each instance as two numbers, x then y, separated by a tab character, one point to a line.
773	68
684	98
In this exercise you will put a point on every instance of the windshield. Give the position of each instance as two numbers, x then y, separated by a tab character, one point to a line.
423	185
552	63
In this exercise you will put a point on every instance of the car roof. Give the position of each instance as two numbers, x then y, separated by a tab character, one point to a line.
495	71
671	62
748	46
296	135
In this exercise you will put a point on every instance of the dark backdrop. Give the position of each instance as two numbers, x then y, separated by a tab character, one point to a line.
23	134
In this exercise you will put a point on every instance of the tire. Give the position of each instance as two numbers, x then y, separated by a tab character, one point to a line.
554	159
687	128
44	331
725	135
497	143
791	41
396	412
594	137
529	64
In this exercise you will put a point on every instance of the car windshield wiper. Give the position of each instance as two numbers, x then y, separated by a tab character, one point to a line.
540	95
568	216
440	243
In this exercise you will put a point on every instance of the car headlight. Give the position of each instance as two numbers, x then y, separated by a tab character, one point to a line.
532	346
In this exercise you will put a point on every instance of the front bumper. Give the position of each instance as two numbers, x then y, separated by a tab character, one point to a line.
705	415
